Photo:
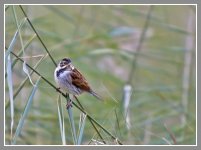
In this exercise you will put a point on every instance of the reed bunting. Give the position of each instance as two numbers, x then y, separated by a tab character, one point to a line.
70	80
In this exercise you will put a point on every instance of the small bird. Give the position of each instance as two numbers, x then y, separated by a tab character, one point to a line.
70	80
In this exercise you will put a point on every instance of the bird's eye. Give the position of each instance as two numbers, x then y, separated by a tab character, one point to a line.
61	64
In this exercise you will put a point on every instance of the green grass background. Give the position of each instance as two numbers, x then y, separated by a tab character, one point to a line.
102	42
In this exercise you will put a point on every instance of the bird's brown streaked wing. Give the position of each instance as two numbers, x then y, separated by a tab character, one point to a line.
79	81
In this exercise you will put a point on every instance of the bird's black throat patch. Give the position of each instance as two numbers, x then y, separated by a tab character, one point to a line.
60	71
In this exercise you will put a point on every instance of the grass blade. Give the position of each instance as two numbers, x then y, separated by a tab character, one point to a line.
72	124
25	113
63	129
81	127
25	69
126	102
59	116
61	125
10	87
10	48
6	8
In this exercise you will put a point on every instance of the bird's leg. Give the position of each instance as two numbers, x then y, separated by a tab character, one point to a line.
69	102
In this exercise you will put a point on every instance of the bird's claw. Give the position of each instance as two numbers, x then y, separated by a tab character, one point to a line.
69	104
58	89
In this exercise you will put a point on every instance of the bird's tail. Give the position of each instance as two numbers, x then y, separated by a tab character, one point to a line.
95	95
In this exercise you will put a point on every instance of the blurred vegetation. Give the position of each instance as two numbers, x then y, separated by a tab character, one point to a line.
103	43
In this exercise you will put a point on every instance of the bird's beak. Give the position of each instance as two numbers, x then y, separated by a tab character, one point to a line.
65	66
